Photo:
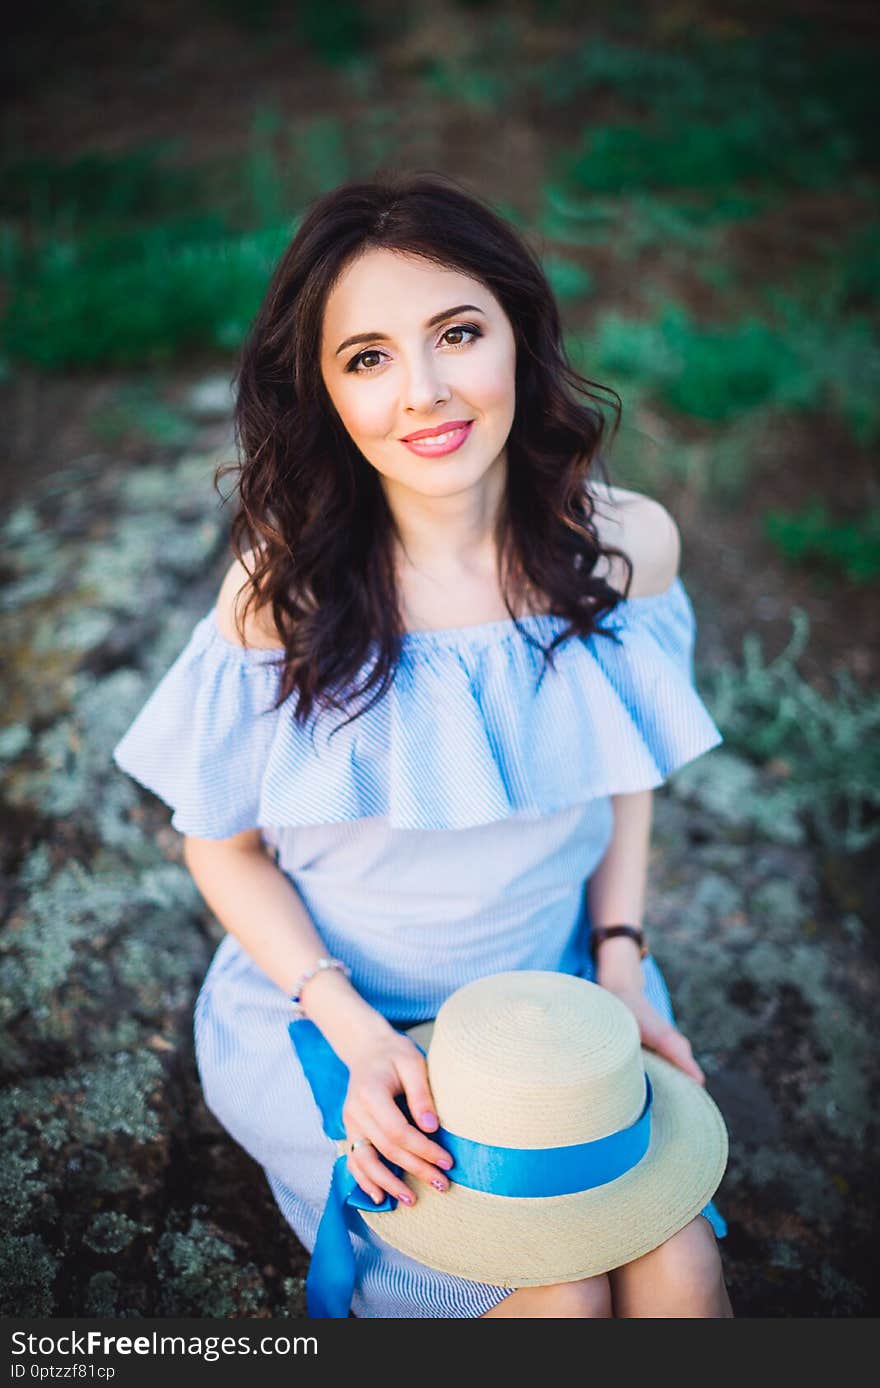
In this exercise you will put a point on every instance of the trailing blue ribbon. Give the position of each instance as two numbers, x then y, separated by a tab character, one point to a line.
522	1172
330	1279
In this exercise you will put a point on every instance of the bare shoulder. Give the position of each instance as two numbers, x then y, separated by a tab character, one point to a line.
258	627
644	530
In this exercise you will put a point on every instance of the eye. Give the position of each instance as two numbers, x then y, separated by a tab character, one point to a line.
462	328
354	366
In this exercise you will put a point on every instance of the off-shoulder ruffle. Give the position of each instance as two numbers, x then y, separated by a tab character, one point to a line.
467	733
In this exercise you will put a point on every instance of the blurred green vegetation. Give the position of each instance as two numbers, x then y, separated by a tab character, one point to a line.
138	411
822	755
668	166
717	373
812	535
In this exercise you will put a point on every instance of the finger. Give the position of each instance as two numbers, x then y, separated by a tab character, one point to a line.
655	1030
683	1056
373	1176
360	1163
386	1107
403	1144
414	1076
675	1047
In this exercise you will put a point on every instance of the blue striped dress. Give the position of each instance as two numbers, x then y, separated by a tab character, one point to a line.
443	835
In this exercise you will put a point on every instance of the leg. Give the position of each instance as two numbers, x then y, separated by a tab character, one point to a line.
590	1298
682	1278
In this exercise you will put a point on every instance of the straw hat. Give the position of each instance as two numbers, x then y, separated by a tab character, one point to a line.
541	1060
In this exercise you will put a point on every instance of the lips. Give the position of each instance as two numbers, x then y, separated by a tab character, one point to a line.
438	444
433	433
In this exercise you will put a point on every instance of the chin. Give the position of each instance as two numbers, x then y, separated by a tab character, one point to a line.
448	475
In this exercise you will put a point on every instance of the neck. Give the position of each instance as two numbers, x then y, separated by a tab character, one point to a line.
445	535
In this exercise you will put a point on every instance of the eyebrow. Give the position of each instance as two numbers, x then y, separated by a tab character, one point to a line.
432	322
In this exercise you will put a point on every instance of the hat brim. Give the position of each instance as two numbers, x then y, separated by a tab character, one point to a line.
513	1242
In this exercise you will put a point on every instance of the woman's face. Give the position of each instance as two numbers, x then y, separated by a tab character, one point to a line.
417	365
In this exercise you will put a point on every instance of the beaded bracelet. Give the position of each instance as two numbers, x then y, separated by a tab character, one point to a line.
318	968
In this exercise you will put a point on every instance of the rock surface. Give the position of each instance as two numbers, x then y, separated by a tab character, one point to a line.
121	1195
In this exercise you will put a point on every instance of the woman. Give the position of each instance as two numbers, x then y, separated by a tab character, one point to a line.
418	523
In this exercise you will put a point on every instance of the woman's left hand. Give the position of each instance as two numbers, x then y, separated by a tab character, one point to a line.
658	1034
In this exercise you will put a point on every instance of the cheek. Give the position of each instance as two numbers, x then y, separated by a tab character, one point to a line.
364	413
491	381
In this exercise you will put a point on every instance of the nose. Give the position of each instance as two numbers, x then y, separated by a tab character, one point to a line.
424	387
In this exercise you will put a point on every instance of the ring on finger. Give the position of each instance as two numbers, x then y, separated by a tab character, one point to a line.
357	1142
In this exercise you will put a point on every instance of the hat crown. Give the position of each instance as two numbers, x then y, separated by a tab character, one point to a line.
535	1059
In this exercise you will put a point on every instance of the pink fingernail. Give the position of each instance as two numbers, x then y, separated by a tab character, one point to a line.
439	1185
407	1199
445	1162
428	1119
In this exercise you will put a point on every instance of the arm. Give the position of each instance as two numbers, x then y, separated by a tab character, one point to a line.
616	890
258	904
256	901
616	896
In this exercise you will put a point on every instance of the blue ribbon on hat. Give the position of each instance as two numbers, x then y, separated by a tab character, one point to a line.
523	1172
530	1173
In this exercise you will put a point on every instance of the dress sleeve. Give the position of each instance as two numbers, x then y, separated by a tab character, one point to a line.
477	729
203	737
470	731
651	674
482	733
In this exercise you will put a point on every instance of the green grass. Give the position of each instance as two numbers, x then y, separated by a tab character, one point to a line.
334	34
97	188
133	260
776	106
752	148
812	537
139	259
568	280
643	220
138	298
719	373
823	753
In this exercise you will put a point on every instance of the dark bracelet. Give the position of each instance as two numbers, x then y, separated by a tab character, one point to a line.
600	933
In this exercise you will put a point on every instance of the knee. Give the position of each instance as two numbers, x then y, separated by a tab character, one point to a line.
688	1265
588	1298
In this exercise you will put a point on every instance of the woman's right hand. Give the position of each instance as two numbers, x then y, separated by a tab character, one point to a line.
386	1067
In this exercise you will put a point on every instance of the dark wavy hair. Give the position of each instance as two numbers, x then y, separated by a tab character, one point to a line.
312	509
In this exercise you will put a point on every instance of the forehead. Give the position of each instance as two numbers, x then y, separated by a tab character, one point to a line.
385	290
